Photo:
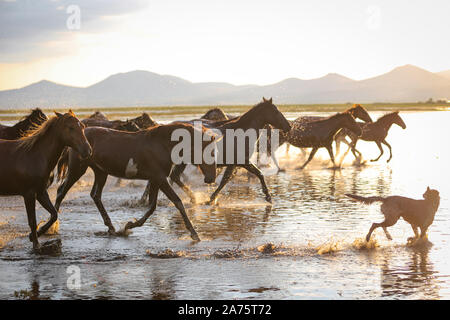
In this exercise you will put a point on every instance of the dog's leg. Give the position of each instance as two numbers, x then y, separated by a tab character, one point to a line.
423	231
416	233
372	228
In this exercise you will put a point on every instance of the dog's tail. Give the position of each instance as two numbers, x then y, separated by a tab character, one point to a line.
365	200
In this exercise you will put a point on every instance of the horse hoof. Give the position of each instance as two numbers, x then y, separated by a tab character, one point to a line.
195	237
112	232
281	170
367	238
269	199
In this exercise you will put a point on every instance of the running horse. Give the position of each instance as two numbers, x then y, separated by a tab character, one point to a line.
319	133
143	155
33	120
27	162
255	119
376	131
357	111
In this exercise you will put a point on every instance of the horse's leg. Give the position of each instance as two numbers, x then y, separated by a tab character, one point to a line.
253	169
175	177
311	155
168	191
73	175
287	148
330	152
381	151
30	205
275	161
153	196
45	202
96	195
146	193
390	149
225	178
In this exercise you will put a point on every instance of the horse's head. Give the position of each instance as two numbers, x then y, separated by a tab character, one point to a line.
37	116
360	112
398	120
350	123
273	116
71	133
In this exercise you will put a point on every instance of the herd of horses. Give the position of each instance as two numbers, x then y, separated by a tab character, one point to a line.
140	148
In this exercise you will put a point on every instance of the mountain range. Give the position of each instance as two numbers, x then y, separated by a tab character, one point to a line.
143	88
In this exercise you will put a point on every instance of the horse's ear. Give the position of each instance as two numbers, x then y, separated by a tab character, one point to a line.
71	113
59	115
428	188
264	99
270	100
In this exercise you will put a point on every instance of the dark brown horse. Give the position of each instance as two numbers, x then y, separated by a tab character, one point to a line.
376	131
144	155
319	133
33	120
26	164
98	119
255	119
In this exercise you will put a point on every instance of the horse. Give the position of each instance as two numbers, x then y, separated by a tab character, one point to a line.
27	162
217	114
357	111
319	134
375	131
144	155
256	118
34	119
98	119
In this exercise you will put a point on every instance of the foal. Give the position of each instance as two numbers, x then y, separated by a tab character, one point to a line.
143	155
376	131
26	164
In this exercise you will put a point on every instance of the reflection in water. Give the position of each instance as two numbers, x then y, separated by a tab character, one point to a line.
309	209
414	280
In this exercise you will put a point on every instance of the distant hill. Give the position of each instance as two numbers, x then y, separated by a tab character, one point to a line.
143	88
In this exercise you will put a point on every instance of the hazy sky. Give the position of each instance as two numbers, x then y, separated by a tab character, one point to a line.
237	41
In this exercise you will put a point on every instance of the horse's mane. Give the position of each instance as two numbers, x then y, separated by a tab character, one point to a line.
167	129
32	136
387	115
246	114
28	119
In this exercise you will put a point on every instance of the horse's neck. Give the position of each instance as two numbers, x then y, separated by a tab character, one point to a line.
335	124
386	123
249	120
23	125
49	148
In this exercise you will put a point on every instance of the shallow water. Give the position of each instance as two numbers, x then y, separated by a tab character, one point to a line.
307	245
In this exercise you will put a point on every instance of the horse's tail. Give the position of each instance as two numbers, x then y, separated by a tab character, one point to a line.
365	200
63	162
